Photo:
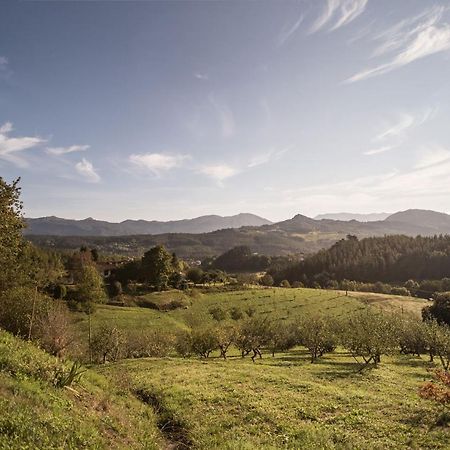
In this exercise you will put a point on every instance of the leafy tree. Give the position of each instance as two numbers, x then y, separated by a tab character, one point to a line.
253	334
195	274
267	280
440	309
107	343
283	337
285	284
203	341
90	289
317	334
225	335
368	335
157	267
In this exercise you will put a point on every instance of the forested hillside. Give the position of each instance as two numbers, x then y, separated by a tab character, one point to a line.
388	259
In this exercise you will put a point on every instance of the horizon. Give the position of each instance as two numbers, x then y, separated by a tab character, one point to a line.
171	111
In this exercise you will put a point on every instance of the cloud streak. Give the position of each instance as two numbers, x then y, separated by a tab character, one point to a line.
225	117
338	13
10	148
58	151
288	32
409	41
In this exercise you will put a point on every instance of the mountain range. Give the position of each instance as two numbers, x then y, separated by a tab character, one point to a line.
371	217
90	227
298	235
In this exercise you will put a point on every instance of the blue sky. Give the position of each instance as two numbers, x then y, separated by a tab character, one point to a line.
169	110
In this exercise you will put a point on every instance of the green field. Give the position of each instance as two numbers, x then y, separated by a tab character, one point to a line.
282	303
287	402
276	402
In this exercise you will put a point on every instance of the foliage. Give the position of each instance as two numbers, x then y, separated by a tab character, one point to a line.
156	267
90	289
318	335
267	280
369	334
108	343
440	309
241	259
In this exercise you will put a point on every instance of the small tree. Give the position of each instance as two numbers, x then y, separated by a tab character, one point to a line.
252	334
107	343
368	334
225	335
282	337
236	313
285	284
317	334
204	341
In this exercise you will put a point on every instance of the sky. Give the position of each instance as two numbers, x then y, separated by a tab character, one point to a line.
168	110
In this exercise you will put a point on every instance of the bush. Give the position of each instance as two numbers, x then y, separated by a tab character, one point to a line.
183	343
236	313
108	343
218	313
400	291
148	343
285	284
267	280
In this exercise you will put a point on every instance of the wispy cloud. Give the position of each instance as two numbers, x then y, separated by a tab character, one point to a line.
408	41
424	183
397	129
87	171
58	151
201	76
11	147
3	62
289	31
218	172
266	157
338	13
433	157
376	151
225	116
157	162
395	133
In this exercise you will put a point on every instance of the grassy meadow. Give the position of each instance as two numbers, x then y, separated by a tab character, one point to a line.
287	402
286	304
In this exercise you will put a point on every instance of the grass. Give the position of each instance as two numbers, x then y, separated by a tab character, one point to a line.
94	414
287	402
284	304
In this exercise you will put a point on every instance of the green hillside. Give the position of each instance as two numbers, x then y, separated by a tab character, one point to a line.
95	413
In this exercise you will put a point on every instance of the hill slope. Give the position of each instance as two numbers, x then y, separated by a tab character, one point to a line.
34	414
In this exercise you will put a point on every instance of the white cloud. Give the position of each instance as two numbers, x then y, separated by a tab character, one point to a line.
225	116
3	61
219	172
7	127
338	13
87	171
10	147
157	162
408	41
58	151
376	151
288	31
406	121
